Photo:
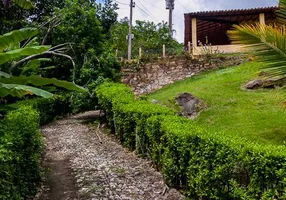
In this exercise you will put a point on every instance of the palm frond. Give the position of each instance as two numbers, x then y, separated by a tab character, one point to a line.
267	43
281	13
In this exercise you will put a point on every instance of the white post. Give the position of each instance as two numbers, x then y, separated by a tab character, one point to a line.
189	47
140	52
164	51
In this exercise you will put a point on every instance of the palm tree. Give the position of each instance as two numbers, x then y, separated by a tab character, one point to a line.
266	42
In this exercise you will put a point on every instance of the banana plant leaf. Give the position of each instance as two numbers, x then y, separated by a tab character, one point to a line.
40	81
15	37
5	75
22	90
33	65
27	51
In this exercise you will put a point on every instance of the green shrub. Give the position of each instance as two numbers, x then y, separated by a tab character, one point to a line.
48	108
205	164
212	166
130	120
20	148
109	94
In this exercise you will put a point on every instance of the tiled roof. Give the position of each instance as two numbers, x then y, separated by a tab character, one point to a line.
232	12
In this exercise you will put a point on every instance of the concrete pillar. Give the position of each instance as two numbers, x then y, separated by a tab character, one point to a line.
262	18
194	35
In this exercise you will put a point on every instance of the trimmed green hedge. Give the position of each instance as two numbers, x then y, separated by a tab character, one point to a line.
20	148
206	165
48	108
20	143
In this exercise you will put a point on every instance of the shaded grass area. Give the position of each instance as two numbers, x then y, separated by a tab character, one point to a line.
255	115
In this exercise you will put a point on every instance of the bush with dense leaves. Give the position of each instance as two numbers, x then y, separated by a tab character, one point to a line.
48	108
205	164
20	148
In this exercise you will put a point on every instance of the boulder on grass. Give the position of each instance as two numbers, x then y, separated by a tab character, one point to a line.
190	104
265	83
255	84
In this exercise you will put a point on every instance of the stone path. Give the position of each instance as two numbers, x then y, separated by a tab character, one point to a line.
83	167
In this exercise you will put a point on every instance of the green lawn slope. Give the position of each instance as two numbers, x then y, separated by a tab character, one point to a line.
257	115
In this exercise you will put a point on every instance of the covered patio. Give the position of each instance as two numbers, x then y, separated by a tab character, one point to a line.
207	30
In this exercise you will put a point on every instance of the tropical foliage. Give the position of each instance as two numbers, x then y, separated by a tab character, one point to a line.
266	42
147	35
25	4
10	51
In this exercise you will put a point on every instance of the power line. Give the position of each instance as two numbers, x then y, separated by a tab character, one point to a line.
143	11
183	6
152	4
121	3
144	7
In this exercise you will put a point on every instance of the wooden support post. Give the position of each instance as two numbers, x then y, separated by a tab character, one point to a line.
140	52
164	51
187	29
262	18
194	34
189	47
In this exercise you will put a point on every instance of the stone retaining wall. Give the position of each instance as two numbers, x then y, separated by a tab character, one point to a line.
153	76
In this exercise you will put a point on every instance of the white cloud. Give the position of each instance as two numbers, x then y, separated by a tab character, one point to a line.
155	10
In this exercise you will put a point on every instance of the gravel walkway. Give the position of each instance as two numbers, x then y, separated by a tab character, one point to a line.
82	167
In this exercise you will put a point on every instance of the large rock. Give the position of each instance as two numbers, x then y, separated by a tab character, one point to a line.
254	84
190	104
265	83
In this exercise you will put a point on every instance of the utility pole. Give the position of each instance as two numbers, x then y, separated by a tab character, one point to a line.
170	6
130	36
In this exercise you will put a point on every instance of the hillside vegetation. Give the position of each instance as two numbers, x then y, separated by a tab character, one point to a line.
258	115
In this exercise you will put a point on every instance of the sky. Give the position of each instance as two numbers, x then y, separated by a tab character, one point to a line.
155	10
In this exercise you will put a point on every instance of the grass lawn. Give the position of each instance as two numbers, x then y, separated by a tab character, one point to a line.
255	115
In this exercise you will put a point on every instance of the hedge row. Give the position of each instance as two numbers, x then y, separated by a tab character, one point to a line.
206	165
48	108
20	143
20	147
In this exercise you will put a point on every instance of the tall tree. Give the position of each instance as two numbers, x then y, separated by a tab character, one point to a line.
45	8
147	35
80	26
107	15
